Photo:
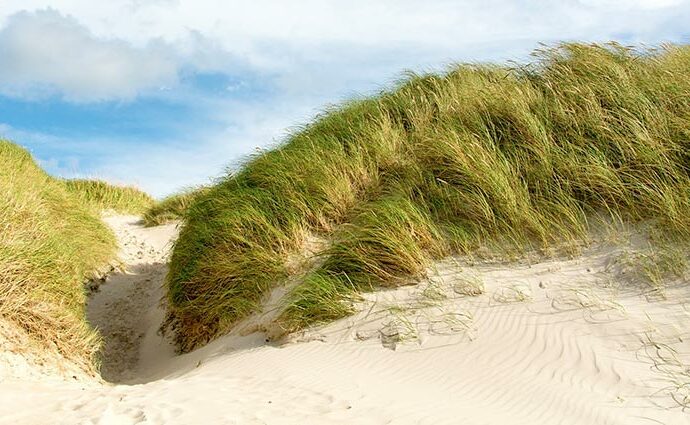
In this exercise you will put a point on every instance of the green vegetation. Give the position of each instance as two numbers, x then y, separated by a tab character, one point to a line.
172	208
48	225
50	243
481	155
102	196
655	265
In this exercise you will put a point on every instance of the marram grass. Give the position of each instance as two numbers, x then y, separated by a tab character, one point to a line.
102	196
440	164
51	242
171	208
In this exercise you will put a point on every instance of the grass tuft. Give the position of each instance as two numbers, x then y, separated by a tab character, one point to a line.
172	208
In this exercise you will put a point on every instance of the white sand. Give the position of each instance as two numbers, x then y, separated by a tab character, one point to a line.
127	309
555	343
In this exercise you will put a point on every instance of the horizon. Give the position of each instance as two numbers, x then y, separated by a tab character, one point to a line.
166	94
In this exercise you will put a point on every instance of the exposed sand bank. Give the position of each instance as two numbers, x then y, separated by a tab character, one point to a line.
559	342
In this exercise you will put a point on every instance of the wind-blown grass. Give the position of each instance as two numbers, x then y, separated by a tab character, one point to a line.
102	196
440	164
171	208
50	243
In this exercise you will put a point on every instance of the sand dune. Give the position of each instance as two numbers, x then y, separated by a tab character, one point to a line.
559	342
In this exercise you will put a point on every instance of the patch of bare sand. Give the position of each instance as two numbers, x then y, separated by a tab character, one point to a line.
127	308
558	342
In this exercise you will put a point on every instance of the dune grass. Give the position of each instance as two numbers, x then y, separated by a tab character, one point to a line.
50	244
172	207
102	196
442	163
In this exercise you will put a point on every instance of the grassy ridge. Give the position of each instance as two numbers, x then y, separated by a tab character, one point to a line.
440	164
46	231
51	241
171	208
103	196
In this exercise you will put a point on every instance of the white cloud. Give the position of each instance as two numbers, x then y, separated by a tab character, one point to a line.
196	158
306	53
46	53
641	4
90	50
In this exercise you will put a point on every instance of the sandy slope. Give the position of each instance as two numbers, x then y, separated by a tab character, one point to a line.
560	342
126	309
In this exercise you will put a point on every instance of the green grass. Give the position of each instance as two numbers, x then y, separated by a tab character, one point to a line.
102	196
482	155
50	244
171	208
52	241
655	266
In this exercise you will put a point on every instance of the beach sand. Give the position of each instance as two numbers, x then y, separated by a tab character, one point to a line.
556	342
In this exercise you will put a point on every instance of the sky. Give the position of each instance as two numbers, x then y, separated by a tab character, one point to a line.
169	94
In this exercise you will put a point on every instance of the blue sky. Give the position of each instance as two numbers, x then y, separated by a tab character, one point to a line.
166	94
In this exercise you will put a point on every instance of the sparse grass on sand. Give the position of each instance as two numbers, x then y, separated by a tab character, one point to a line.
51	242
172	208
102	196
440	164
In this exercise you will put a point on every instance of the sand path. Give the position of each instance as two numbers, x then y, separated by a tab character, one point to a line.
127	308
559	342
